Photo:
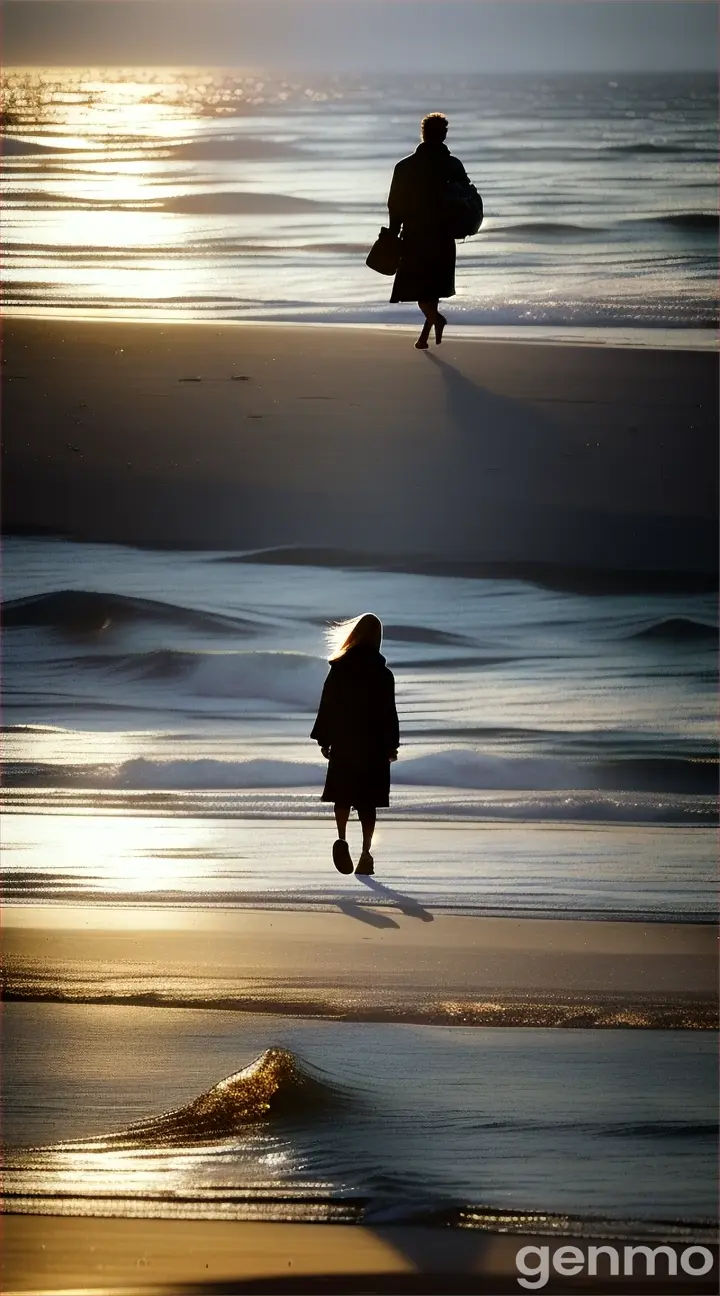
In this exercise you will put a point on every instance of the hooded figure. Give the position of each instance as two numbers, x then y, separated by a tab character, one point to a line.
357	730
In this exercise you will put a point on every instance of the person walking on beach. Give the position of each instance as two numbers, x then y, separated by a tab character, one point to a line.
357	730
416	206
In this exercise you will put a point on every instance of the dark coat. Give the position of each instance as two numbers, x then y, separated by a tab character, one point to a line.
415	205
358	721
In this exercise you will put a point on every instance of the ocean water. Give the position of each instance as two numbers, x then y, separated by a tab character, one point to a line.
176	1113
247	195
558	749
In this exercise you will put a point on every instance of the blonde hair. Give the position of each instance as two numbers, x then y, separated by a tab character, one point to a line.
362	631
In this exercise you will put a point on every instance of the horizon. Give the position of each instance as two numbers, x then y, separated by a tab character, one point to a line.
364	72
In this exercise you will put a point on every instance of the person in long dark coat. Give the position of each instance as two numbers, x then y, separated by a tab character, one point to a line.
357	729
416	202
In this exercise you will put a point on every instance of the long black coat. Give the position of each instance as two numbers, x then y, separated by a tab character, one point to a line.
357	720
415	205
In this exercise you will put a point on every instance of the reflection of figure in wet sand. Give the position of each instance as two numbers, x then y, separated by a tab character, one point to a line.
357	729
417	207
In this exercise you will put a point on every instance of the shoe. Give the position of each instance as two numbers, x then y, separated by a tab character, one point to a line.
366	864
341	857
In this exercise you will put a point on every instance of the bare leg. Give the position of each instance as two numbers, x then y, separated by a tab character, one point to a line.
340	850
427	310
342	814
440	323
367	819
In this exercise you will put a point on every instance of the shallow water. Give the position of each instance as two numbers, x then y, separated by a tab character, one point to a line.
203	192
398	1120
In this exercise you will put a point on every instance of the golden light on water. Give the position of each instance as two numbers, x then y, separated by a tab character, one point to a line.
113	852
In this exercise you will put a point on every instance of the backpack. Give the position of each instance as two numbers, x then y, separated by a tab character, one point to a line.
463	209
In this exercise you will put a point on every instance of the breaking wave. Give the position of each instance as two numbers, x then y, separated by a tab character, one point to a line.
293	678
460	768
274	1084
92	611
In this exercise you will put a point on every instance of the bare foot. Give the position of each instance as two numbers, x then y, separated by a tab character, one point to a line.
440	323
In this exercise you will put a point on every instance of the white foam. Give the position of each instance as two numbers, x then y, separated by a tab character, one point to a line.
295	678
292	678
197	775
458	768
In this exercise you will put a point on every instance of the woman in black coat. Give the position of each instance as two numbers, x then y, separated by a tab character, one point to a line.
416	206
357	729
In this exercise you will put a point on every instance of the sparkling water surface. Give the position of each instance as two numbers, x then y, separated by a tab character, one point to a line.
232	194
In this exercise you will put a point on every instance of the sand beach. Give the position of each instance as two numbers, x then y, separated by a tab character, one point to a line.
238	436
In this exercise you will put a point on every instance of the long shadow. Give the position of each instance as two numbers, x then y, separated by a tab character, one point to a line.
362	914
517	481
499	431
496	454
411	908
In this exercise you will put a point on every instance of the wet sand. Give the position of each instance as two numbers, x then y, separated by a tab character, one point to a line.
237	436
453	969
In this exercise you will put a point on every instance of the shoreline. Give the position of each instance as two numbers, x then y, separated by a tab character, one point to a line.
622	336
444	970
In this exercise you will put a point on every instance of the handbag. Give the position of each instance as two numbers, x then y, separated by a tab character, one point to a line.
463	209
384	255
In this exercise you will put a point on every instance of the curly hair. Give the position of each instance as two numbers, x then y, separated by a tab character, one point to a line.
434	128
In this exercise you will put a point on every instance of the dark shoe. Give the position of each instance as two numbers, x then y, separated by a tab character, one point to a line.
341	857
366	863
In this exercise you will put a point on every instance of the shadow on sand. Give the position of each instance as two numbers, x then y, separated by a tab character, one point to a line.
365	915
404	903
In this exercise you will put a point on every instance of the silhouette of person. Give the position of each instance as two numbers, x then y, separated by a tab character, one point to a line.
416	207
357	730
